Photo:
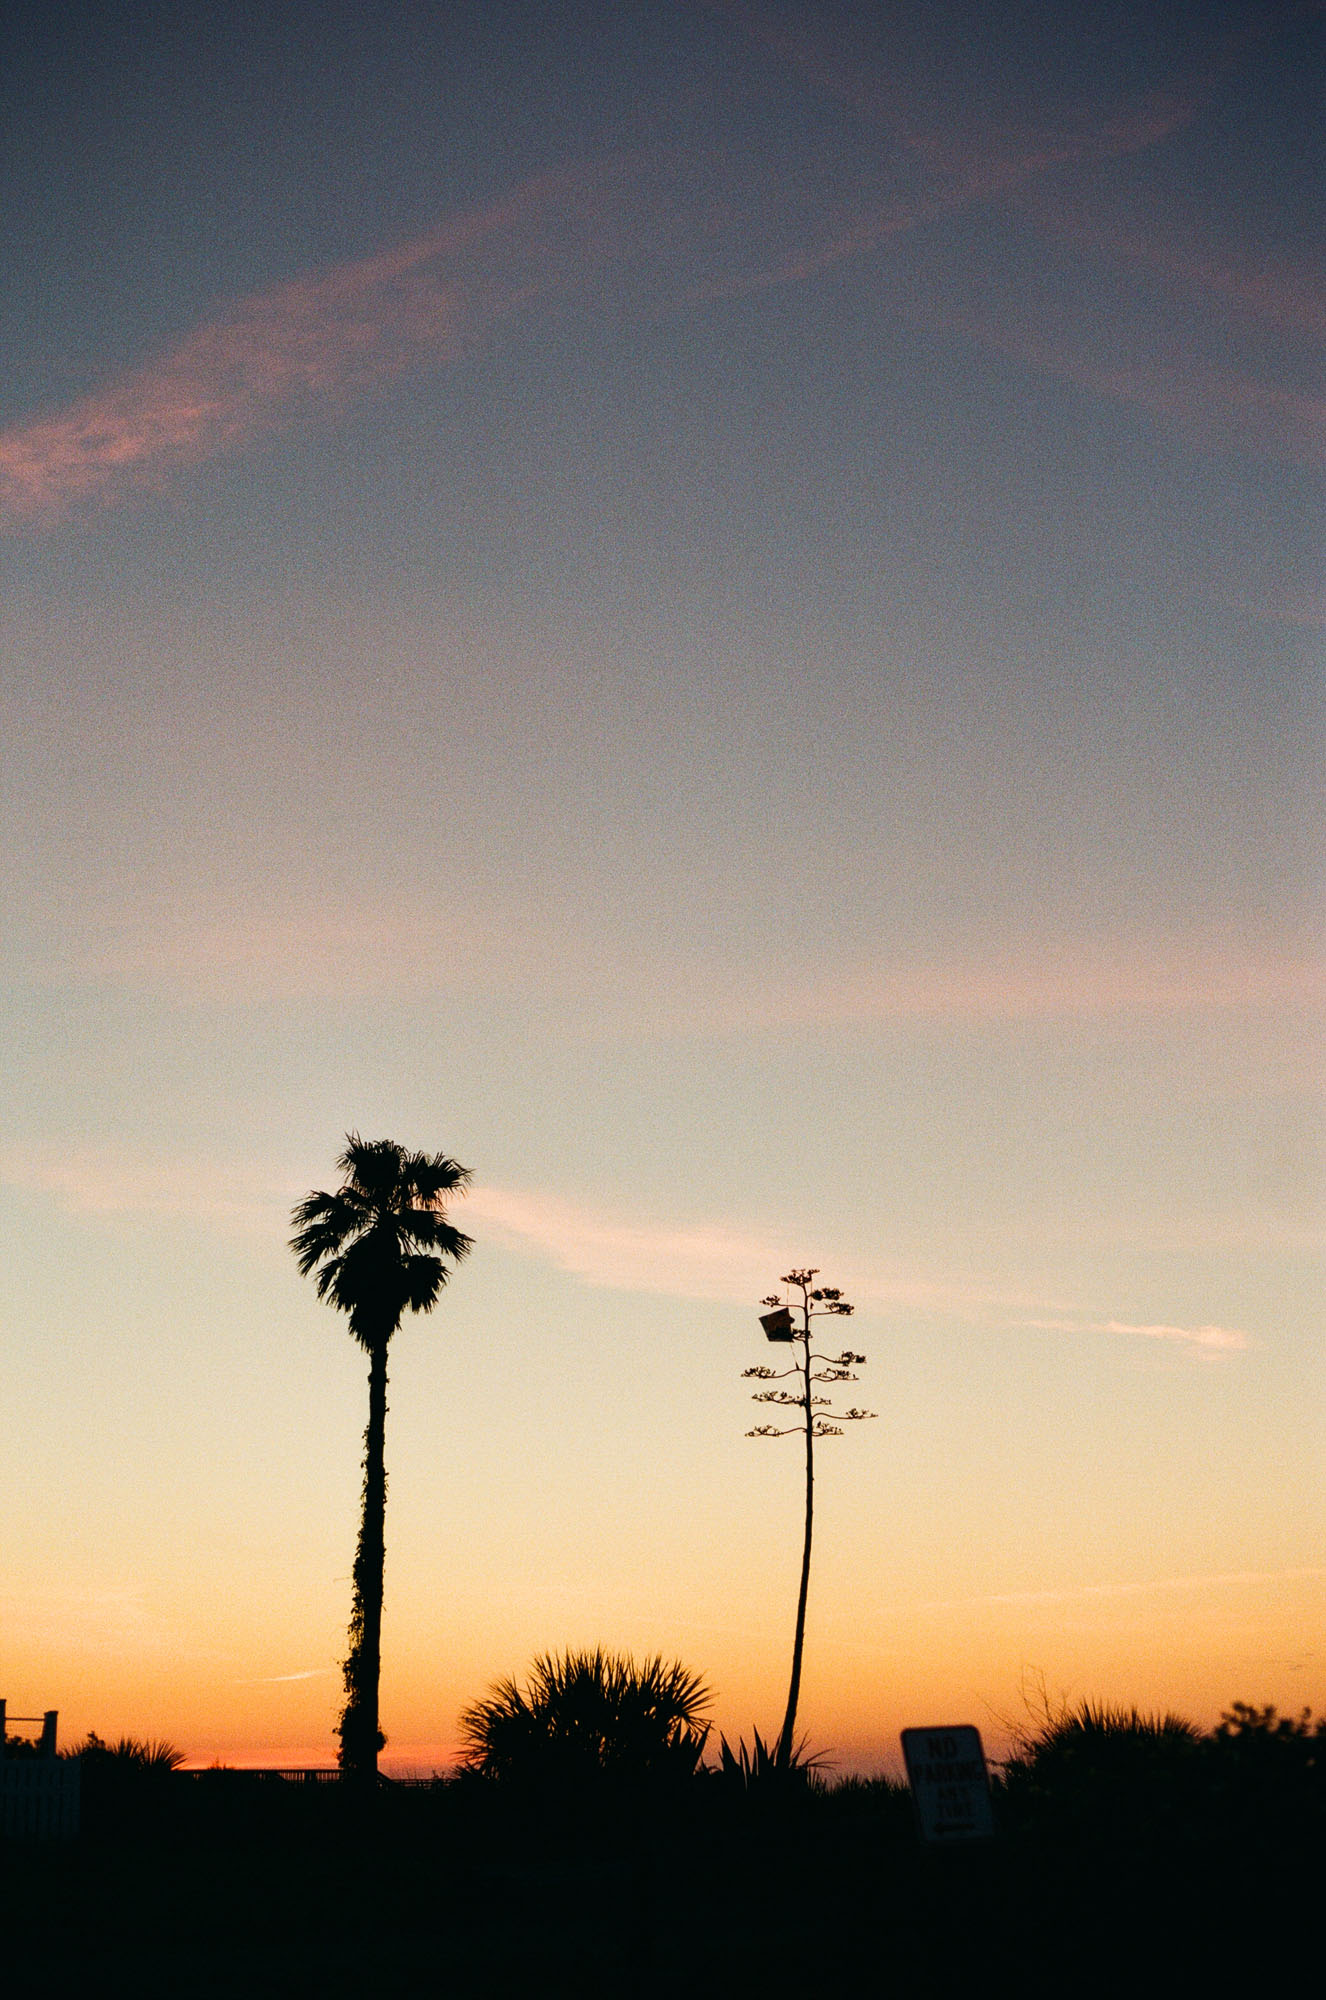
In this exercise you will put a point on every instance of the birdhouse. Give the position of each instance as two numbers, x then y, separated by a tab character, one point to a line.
777	1325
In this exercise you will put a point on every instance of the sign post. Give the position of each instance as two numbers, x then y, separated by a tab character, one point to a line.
950	1784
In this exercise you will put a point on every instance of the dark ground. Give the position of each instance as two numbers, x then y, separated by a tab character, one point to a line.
226	1885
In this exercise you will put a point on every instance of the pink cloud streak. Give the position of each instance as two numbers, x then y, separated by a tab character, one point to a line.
963	166
311	344
1215	407
685	230
984	158
1057	984
1287	291
967	162
400	949
1215	1339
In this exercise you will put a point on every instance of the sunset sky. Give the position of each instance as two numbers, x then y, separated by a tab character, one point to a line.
716	610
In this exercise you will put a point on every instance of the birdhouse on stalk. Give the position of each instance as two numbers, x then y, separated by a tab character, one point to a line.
777	1325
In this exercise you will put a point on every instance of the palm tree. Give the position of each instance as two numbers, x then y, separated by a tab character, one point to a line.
379	1246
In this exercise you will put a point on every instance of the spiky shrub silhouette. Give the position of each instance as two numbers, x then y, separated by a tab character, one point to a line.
126	1785
143	1755
380	1246
1098	1771
583	1718
759	1767
814	1418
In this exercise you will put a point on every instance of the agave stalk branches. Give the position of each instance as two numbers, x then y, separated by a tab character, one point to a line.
816	1418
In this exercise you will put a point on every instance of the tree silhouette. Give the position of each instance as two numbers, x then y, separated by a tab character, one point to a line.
379	1246
816	1419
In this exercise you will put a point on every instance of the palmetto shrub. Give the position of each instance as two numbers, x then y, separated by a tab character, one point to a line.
142	1757
582	1717
1098	1768
127	1783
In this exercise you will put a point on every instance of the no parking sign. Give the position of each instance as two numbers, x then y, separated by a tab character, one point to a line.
949	1781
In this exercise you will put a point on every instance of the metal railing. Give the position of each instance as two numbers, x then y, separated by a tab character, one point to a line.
315	1774
295	1774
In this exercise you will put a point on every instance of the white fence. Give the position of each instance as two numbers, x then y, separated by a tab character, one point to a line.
39	1797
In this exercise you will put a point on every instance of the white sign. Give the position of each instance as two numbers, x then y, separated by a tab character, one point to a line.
949	1781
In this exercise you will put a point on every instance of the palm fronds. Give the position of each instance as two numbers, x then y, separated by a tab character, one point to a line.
377	1247
147	1755
1095	1726
582	1714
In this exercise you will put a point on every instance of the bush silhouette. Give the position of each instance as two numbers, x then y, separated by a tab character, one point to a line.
1268	1772
1105	1771
126	1784
132	1755
20	1747
584	1717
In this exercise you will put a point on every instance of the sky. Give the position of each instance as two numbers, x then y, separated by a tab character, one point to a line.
715	609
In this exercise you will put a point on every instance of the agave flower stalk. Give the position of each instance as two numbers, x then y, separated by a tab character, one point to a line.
815	1418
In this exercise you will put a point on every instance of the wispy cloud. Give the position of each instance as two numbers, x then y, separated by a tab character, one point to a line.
666	225
1055	982
130	1180
704	1261
612	1247
1086	1592
608	1247
950	172
1221	1339
1266	282
1018	162
1216	407
622	1252
273	1680
979	157
312	345
667	228
396	949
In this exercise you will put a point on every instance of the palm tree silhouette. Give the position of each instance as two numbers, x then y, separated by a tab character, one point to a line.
379	1246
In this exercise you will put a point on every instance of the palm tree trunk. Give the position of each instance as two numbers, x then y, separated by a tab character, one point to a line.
798	1643
361	1739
